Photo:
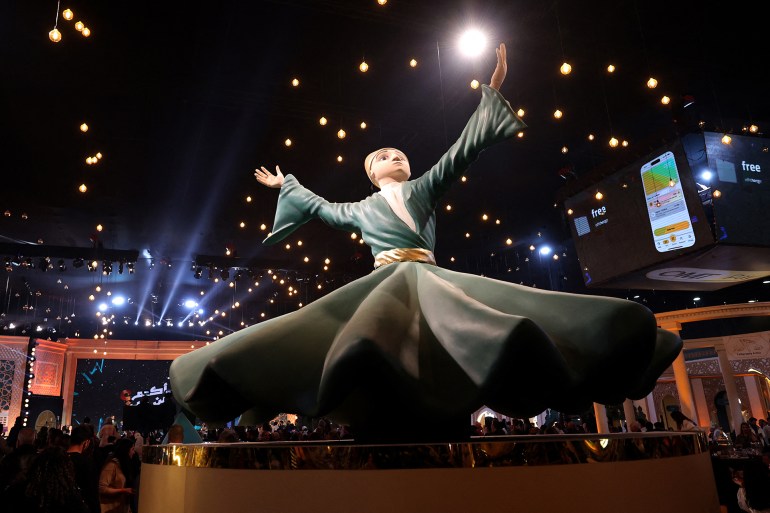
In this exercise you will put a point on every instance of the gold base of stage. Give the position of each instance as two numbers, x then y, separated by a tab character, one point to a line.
661	472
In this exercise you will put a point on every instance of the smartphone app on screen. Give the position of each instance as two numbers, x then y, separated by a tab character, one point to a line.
666	206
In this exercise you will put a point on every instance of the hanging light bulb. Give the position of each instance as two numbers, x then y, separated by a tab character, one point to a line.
82	187
520	135
474	84
565	69
99	155
569	211
79	26
564	149
413	63
599	195
67	14
753	128
717	193
520	113
295	82
86	31
363	125
624	143
613	143
591	137
611	68
339	158
726	139
652	83
287	142
84	128
341	134
364	67
382	2
665	100
322	121
54	35
558	114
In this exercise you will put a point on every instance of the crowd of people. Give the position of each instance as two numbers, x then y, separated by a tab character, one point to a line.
86	470
82	471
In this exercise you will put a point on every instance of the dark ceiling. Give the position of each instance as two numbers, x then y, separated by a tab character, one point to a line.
185	99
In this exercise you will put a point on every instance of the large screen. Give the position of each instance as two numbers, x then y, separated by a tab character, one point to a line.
647	213
104	387
740	171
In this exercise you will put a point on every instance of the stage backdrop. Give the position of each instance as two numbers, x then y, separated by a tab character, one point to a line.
103	387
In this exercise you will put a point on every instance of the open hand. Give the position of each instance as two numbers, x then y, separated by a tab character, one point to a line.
269	179
501	69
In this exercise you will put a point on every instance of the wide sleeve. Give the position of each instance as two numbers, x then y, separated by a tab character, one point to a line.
298	205
492	122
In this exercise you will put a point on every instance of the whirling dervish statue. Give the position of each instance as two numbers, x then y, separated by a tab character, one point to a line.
413	342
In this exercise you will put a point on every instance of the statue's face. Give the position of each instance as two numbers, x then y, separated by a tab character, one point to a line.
388	165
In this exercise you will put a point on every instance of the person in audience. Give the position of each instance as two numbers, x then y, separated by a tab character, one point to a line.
753	425
115	477
79	452
108	430
13	468
764	432
41	440
176	434
49	486
754	491
56	438
87	423
138	444
683	422
745	437
13	434
228	436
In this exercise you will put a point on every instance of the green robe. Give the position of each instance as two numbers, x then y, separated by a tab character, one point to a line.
413	340
493	121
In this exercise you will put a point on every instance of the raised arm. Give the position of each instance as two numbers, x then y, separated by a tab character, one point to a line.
298	205
493	121
265	177
501	69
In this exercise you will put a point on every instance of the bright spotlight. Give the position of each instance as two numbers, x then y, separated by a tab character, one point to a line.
118	301
190	304
103	307
545	250
472	42
707	175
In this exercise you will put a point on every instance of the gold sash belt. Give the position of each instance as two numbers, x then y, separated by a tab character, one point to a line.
404	255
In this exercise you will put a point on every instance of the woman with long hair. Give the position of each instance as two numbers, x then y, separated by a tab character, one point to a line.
50	486
114	496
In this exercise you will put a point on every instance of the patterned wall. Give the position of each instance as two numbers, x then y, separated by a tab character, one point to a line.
7	368
712	386
13	359
49	369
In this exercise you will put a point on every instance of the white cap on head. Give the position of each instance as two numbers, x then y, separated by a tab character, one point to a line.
369	160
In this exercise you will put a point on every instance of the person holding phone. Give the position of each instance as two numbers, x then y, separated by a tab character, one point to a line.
414	339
